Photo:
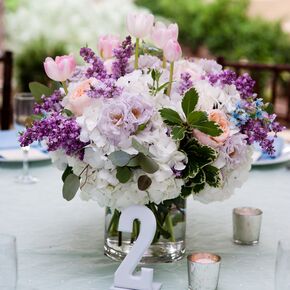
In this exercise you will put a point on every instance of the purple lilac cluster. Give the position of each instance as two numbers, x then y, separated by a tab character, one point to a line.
49	104
122	54
245	85
97	68
257	131
185	82
252	119
225	77
58	132
105	89
250	114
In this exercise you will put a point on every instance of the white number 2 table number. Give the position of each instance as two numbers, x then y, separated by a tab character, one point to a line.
124	278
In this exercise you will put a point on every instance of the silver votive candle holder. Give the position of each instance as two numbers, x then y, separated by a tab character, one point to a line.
203	271
247	225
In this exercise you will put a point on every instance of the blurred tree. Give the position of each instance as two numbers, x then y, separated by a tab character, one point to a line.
29	63
11	4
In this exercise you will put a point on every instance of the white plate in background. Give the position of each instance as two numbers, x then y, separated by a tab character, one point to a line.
284	157
16	155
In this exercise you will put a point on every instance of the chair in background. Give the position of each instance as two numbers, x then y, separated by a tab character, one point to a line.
6	58
275	70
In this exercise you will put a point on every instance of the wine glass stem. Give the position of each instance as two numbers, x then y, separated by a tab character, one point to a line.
25	160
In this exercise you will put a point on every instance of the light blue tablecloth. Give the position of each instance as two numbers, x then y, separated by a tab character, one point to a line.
60	243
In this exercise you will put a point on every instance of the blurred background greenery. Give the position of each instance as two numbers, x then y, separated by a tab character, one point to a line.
29	62
225	29
208	28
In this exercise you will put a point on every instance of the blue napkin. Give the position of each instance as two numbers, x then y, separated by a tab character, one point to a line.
278	145
9	140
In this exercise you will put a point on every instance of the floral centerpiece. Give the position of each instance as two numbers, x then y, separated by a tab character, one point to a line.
137	124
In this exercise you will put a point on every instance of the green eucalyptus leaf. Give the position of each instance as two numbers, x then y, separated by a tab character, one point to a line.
123	174
147	163
134	162
144	182
170	117
178	132
120	158
189	101
38	90
66	173
139	147
70	186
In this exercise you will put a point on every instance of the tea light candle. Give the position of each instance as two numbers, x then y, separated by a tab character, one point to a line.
246	225
205	261
203	271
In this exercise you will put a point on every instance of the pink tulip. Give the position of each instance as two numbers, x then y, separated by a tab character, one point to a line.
161	34
139	25
172	50
107	44
61	68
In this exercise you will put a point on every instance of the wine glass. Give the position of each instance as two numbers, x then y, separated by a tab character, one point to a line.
24	103
282	274
8	262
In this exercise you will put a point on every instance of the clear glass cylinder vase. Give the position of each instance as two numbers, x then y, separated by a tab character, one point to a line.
169	241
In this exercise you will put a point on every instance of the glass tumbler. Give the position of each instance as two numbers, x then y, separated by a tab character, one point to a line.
282	275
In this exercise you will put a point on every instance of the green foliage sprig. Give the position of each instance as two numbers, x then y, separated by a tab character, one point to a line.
156	87
199	170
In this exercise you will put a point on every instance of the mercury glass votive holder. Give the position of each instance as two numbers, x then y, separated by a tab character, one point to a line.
203	271
247	225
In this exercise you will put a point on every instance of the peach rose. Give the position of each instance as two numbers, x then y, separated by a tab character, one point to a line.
220	118
77	100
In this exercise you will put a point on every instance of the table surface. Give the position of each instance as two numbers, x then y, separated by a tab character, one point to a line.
60	243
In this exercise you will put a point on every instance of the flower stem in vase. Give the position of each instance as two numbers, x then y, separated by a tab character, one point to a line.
113	226
119	239
169	226
136	53
170	79
136	230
